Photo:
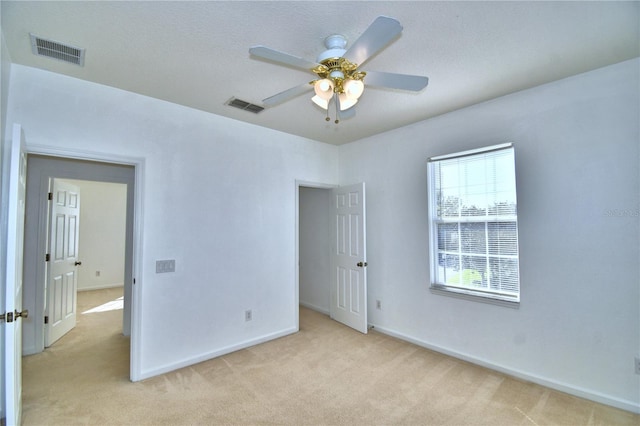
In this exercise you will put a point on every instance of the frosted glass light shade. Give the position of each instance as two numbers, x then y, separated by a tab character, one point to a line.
346	102
322	103
324	88
353	88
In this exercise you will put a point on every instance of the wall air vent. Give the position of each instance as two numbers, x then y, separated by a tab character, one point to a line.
57	50
247	106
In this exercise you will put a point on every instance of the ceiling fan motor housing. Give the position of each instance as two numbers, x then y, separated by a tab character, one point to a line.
335	45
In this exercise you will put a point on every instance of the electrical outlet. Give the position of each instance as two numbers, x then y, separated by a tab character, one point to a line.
637	364
97	273
248	315
378	304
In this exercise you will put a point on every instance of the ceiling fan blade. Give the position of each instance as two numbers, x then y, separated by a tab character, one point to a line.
375	38
414	83
286	95
281	57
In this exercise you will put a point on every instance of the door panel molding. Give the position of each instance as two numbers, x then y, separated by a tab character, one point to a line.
62	268
348	291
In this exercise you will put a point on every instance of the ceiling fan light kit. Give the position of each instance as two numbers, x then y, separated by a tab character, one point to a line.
339	79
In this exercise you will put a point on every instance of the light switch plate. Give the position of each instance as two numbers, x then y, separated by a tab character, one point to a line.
163	266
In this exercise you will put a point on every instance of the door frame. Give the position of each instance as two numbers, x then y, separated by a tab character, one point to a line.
298	185
136	250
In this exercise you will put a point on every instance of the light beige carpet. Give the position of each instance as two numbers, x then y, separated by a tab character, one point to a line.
326	374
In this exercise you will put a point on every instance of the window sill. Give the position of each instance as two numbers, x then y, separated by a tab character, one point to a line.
473	296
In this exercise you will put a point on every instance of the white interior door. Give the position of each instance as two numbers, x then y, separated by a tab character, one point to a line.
13	297
62	273
348	303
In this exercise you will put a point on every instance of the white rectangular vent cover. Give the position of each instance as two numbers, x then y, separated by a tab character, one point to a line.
57	50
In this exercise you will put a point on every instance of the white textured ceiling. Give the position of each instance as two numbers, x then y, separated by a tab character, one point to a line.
196	53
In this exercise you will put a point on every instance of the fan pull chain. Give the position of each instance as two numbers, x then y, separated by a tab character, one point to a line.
327	118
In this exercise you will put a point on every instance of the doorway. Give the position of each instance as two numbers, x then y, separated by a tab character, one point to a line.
41	169
331	252
314	230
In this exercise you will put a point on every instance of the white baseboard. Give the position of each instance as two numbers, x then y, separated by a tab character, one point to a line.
598	397
315	308
213	354
101	287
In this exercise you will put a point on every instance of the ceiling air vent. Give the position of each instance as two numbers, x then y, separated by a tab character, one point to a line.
57	50
247	106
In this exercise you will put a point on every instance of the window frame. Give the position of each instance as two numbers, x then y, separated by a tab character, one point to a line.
440	288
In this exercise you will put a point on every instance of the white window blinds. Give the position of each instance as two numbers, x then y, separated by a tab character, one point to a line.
474	230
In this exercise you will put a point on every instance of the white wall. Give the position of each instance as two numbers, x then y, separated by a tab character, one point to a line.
315	268
218	196
5	80
577	160
103	209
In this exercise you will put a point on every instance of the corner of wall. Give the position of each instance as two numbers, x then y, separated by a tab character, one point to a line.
5	79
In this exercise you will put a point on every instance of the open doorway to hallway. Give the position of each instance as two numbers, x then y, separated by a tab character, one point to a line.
101	178
331	252
87	240
314	233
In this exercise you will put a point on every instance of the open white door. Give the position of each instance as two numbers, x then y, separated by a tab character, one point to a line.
62	268
348	303
13	299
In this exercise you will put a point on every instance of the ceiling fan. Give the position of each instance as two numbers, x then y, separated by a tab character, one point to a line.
339	79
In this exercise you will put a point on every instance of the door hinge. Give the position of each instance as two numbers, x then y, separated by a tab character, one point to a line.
50	196
47	257
46	319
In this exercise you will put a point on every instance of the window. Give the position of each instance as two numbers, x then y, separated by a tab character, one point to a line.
474	224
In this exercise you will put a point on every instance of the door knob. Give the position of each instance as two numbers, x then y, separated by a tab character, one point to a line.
361	264
9	316
77	263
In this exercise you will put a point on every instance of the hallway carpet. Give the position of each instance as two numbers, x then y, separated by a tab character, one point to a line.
327	374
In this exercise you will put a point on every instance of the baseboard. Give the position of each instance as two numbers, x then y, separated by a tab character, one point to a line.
626	405
214	354
315	308
101	287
